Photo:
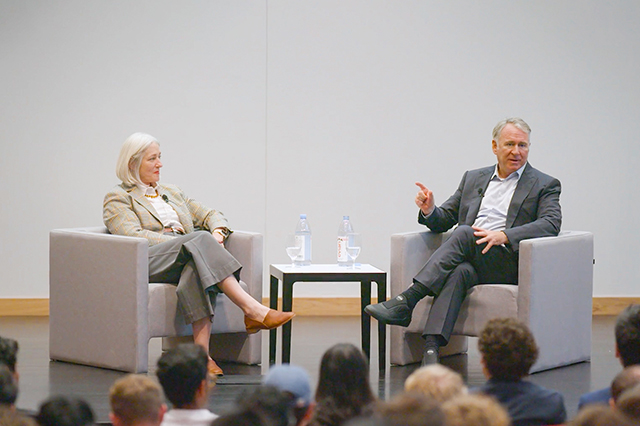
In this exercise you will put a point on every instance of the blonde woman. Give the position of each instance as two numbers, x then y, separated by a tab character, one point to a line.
186	242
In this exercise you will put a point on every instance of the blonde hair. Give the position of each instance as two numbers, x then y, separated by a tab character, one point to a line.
436	381
475	409
136	398
130	158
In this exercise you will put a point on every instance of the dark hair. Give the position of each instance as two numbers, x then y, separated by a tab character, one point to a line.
181	371
8	386
508	349
62	411
9	353
629	403
412	409
269	403
628	335
240	418
343	386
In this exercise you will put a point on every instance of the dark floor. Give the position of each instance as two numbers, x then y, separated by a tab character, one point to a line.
40	378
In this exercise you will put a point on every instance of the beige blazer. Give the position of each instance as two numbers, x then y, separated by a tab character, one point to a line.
126	211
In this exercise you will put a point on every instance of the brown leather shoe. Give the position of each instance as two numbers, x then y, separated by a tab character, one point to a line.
274	319
213	368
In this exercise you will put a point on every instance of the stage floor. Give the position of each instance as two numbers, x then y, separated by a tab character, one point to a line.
311	336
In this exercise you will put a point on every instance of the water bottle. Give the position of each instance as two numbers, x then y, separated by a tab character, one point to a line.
303	238
344	230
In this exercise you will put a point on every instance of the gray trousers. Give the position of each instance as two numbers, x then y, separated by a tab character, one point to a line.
196	262
453	269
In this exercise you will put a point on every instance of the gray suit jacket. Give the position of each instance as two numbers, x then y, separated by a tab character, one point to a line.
534	210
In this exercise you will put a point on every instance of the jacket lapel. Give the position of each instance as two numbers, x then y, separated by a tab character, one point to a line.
526	182
138	196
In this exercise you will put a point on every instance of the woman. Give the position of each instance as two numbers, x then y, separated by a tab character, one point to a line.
343	391
186	242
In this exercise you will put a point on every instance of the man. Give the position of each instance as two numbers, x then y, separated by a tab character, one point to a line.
294	382
412	409
624	380
136	400
465	410
436	382
9	355
495	208
627	331
182	372
9	415
508	351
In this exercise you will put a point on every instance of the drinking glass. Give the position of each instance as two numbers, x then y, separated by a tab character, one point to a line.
293	248
353	247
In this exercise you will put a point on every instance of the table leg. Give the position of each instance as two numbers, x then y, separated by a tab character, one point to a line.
382	329
273	334
287	306
365	319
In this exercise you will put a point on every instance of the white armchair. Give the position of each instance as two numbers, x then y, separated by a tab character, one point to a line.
103	311
553	297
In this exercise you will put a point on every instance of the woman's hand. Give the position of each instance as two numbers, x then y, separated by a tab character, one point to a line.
218	234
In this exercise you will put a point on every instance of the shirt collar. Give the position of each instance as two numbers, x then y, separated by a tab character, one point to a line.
147	189
518	173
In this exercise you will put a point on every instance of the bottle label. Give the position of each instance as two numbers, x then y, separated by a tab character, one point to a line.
342	249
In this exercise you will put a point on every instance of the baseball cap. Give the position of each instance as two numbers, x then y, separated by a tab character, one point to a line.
292	379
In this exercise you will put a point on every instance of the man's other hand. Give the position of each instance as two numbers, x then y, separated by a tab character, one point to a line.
492	238
424	200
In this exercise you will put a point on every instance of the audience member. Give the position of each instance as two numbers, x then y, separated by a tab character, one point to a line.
599	415
412	409
624	380
8	387
271	405
629	404
294	382
475	410
436	381
9	354
63	411
508	351
343	390
627	332
136	400
182	372
240	418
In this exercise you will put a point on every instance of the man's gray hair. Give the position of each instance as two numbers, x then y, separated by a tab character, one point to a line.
518	122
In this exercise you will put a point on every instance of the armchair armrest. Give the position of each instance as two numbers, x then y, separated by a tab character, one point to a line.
98	297
246	247
409	252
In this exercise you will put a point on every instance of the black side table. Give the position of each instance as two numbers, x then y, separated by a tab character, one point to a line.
365	274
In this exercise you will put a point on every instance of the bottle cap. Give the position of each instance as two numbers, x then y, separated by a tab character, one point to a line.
345	217
303	216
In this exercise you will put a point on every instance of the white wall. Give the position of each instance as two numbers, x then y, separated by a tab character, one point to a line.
266	109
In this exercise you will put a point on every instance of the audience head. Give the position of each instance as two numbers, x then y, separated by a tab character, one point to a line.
412	409
182	372
599	415
136	400
629	404
624	380
628	335
270	404
9	353
8	387
436	381
294	382
508	349
343	390
240	418
62	411
475	410
130	158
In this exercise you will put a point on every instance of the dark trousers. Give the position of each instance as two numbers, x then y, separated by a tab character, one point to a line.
456	267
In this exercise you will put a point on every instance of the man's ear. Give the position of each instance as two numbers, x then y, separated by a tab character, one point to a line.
163	410
485	371
115	420
494	146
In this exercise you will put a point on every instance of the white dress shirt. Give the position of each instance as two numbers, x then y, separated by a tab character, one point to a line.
180	417
166	213
494	207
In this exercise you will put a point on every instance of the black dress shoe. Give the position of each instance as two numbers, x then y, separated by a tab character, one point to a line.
394	312
430	356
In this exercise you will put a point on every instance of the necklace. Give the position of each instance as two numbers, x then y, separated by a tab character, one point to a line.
152	196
